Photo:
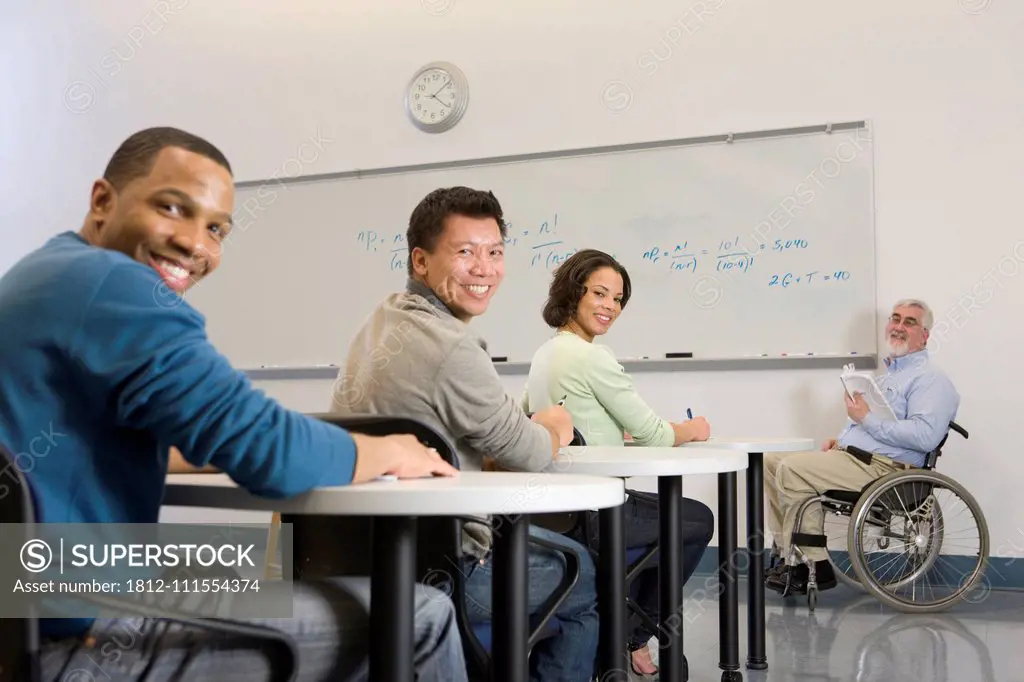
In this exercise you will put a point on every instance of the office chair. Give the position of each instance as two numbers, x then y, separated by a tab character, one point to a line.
20	640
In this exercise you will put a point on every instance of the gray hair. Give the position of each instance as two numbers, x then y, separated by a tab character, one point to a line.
928	318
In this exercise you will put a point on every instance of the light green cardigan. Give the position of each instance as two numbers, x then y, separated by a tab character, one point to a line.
599	394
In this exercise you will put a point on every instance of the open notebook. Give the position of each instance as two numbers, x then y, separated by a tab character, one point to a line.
863	382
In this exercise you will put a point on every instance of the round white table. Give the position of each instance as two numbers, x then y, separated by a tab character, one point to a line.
757	658
393	507
471	493
669	465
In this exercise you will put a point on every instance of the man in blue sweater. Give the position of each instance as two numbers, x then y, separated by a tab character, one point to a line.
104	368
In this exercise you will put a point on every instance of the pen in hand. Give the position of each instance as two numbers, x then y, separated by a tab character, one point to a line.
689	413
561	403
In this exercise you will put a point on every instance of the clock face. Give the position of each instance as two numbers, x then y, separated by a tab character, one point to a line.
436	98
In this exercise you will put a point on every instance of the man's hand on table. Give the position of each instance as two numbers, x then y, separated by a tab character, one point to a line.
398	455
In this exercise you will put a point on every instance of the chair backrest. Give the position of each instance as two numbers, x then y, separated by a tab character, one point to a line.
933	457
19	637
436	536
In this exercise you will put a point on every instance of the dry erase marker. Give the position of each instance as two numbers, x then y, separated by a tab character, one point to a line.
689	413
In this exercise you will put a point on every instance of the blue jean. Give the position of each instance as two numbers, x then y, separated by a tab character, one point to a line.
330	627
570	655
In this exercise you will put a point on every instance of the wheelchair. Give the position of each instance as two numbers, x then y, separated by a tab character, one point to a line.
904	538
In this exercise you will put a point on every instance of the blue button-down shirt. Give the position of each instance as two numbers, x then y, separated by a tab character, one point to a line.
924	401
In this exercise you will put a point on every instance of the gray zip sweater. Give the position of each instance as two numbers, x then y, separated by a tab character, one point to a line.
413	358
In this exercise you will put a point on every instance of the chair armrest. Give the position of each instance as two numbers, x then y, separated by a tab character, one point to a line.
558	597
286	667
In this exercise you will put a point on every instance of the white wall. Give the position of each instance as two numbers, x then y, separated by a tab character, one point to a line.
942	81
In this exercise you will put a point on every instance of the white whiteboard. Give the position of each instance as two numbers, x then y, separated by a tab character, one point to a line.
759	245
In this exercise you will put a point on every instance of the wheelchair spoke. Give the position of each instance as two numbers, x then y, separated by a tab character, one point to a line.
929	553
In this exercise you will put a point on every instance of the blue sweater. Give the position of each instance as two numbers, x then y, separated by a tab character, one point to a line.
100	373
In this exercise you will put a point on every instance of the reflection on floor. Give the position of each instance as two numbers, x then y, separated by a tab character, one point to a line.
852	638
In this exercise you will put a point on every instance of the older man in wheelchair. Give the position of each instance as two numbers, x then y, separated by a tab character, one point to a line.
871	447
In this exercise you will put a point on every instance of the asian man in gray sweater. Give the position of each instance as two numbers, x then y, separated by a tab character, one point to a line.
417	355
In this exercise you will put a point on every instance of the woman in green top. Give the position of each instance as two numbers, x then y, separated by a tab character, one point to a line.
587	294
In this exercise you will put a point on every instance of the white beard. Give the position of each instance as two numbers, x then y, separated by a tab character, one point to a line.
898	348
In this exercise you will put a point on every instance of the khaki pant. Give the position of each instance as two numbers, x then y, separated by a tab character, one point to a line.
792	477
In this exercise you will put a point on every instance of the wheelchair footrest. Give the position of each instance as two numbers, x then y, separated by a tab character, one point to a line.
809	540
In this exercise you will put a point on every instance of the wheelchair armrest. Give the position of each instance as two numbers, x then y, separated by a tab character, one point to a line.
959	429
862	455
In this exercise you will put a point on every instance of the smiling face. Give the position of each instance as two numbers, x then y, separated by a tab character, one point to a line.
905	332
600	304
173	220
466	265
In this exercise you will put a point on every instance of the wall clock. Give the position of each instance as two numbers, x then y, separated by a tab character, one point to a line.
436	97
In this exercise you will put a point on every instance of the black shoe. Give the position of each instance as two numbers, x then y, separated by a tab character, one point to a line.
793	580
775	570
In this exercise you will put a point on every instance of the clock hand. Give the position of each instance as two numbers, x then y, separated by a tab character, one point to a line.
441	101
441	88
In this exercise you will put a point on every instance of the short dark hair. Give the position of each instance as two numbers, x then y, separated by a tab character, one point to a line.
136	155
569	284
427	221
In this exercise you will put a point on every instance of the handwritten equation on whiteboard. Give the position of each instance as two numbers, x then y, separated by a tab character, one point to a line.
725	256
541	244
544	249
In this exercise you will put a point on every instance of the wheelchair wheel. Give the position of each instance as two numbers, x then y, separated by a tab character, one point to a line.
913	546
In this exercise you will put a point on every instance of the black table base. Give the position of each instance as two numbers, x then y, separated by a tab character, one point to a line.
612	656
671	664
511	625
756	656
728	603
392	598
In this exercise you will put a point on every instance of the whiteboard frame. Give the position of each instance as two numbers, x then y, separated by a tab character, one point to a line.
789	362
358	173
807	361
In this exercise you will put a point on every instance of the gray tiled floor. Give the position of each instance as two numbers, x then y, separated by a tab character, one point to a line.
852	638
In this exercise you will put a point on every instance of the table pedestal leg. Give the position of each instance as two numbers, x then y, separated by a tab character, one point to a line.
728	603
611	596
671	664
392	604
511	626
756	657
